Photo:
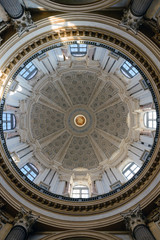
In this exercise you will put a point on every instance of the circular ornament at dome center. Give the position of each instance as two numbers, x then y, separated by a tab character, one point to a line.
80	120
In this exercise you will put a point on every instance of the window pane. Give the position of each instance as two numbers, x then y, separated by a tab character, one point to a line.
130	176
4	126
30	177
8	117
133	167
84	195
84	190
27	168
76	190
127	173
128	70
75	196
4	117
136	170
33	174
23	170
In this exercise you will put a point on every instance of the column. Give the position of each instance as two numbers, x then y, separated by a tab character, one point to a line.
99	187
135	222
13	8
5	222
3	14
154	220
61	186
139	7
22	225
20	18
132	17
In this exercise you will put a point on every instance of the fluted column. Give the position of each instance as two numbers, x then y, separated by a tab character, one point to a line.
132	17
154	220
136	224
20	18
5	222
139	7
13	8
22	225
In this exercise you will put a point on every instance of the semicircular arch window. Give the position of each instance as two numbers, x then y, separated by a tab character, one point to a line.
130	170
78	50
30	171
80	191
128	70
150	119
9	121
29	71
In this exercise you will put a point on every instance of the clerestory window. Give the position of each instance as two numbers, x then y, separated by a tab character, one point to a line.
78	50
30	171
80	191
29	71
150	119
128	70
130	170
9	121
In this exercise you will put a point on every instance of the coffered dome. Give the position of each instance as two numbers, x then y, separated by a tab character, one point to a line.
53	119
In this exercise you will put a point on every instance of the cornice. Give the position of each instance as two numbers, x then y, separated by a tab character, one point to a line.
148	66
97	5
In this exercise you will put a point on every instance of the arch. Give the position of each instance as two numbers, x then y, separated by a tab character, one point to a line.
90	235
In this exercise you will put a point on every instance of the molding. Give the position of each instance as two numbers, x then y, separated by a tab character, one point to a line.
150	67
81	7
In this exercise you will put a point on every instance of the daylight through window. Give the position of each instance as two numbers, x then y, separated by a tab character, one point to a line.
130	170
150	119
29	71
128	70
9	121
78	50
30	171
80	191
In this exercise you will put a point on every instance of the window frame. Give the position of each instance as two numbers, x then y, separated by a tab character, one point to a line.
147	119
127	72
78	53
29	173
132	171
80	191
12	121
31	72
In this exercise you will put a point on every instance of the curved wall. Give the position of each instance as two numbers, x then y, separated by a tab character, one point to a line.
137	47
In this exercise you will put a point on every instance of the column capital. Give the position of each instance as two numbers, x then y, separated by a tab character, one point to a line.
25	219
154	215
131	22
133	218
24	23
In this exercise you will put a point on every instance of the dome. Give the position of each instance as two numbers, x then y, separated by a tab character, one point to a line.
79	119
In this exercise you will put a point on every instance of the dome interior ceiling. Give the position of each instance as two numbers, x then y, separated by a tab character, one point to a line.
78	92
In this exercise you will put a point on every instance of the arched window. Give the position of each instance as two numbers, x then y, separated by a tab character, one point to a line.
150	119
9	121
128	70
78	50
30	171
29	71
80	191
130	170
